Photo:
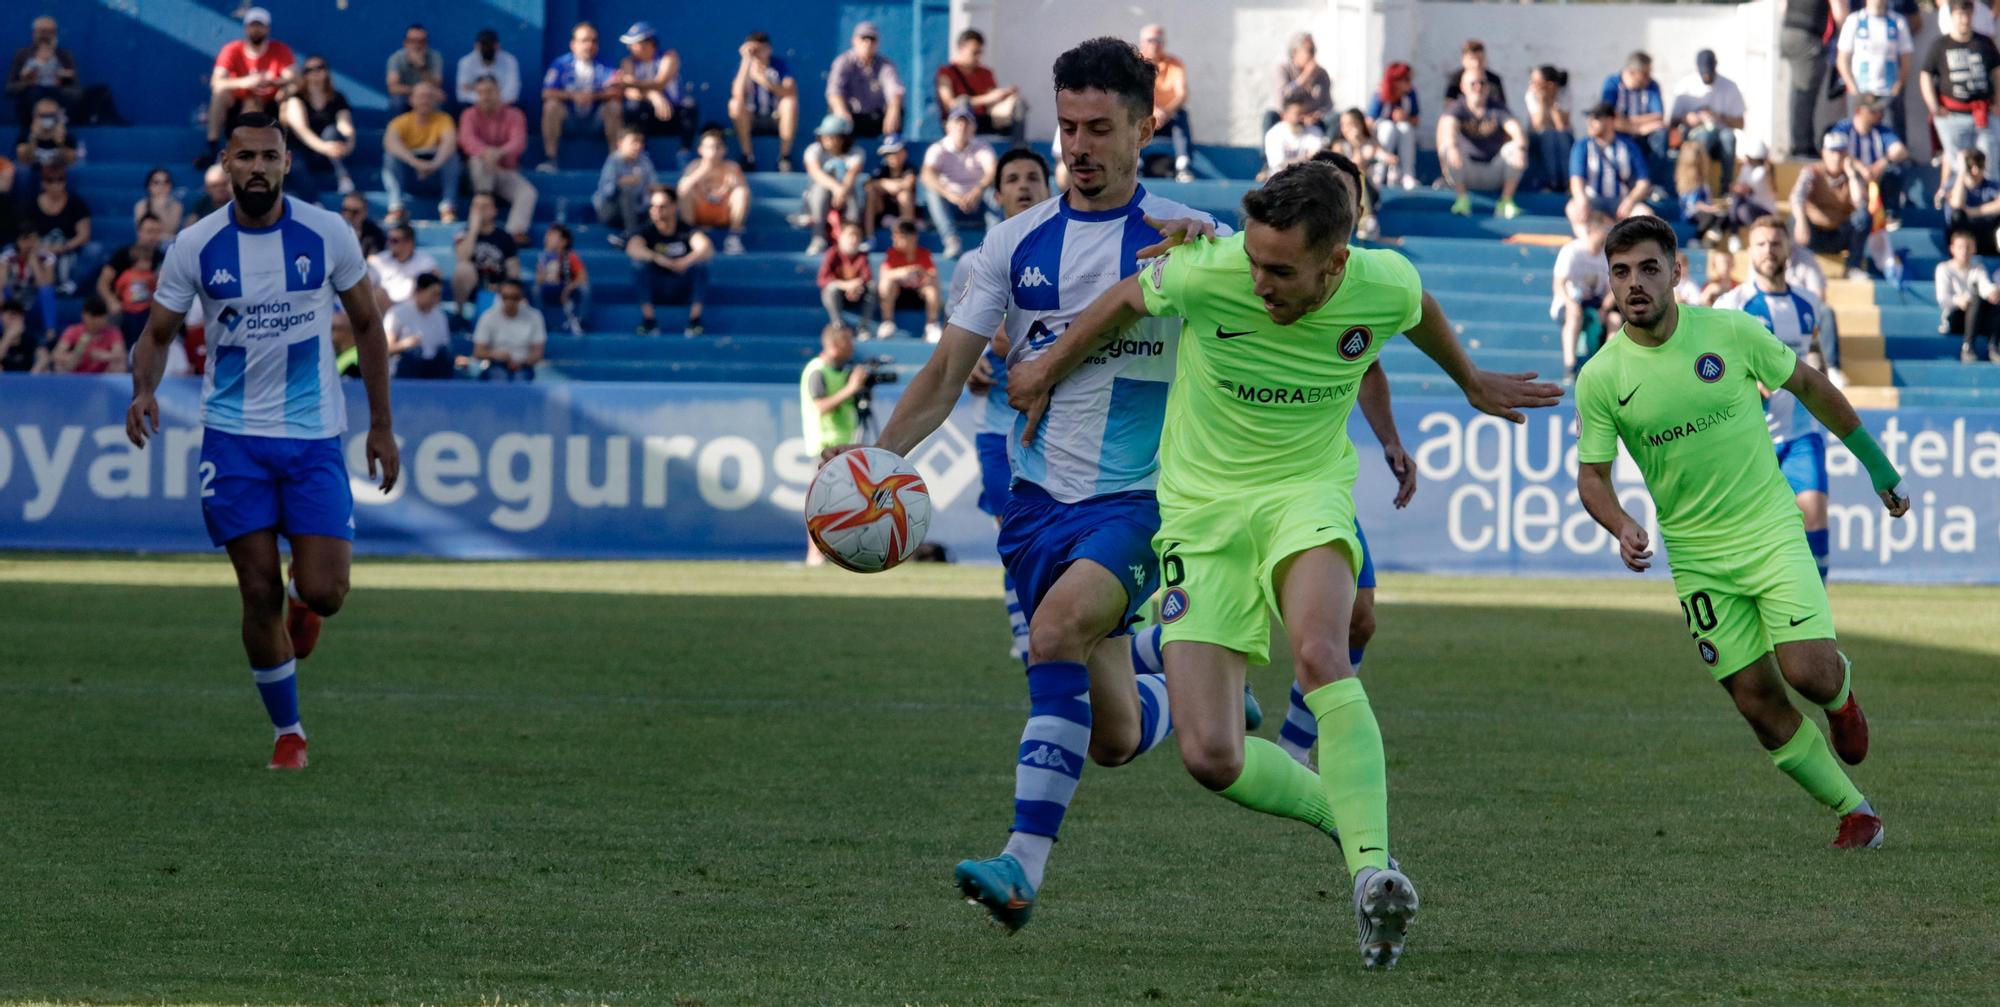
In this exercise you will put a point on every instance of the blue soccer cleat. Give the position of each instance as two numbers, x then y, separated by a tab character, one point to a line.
1000	885
1253	714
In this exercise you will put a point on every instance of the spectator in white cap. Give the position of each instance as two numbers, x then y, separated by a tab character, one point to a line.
1830	205
892	189
958	180
249	74
862	86
655	101
1752	195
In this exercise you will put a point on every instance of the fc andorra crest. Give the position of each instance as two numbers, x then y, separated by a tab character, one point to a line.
1354	342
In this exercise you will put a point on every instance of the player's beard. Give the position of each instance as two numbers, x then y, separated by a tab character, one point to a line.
1772	274
255	202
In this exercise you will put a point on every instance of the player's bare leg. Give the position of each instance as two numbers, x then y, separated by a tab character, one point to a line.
1116	730
1205	689
260	581
1797	748
1316	599
1817	670
316	588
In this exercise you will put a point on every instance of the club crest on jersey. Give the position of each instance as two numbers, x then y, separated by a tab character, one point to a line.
1033	277
1173	605
1156	272
1354	342
1708	367
302	265
1708	652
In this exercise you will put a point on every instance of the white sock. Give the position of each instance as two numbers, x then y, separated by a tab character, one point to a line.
1864	808
298	728
1033	853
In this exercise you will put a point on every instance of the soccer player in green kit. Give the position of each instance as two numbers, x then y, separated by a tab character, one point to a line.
1256	496
1679	386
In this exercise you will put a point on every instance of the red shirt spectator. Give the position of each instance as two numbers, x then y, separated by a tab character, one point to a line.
87	350
895	258
839	265
504	129
274	59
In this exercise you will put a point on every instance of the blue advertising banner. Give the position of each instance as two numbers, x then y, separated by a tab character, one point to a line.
720	472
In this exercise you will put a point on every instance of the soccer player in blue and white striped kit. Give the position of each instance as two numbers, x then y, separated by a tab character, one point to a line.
266	268
1076	534
1793	315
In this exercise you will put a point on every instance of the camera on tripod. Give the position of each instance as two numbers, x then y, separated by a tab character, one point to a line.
875	370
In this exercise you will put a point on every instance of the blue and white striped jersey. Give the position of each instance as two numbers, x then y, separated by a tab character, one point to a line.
1035	273
268	295
1793	317
997	417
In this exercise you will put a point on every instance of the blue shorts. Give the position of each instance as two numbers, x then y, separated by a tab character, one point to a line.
1041	536
1803	460
1366	578
297	486
996	473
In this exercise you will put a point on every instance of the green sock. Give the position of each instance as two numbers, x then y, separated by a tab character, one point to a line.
1351	771
1846	684
1275	784
1808	761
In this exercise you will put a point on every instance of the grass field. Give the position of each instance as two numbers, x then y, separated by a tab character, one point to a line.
723	784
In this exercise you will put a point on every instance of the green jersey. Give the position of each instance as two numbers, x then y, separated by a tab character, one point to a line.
1258	403
824	430
1691	415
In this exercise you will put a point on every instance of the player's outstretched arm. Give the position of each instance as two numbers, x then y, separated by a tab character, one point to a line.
1029	381
1491	392
1829	405
149	364
372	346
1593	487
1374	401
931	394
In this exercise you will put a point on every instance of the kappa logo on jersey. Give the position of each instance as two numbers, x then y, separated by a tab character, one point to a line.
220	277
1709	368
1048	757
1033	277
1354	342
1139	576
1173	605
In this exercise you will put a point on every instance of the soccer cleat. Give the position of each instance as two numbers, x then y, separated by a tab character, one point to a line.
1858	831
1849	727
1507	209
1000	885
1385	904
1462	206
290	752
1253	712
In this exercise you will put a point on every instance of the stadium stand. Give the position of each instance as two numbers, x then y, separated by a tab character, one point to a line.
764	316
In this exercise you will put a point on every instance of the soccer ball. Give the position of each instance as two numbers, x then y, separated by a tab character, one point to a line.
867	510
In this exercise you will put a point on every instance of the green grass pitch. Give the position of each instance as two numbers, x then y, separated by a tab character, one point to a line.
747	784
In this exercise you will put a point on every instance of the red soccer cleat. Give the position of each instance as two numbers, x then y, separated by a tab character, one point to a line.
303	624
1850	731
1858	831
290	752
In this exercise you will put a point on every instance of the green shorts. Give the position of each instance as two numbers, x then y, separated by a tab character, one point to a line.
1219	559
1740	606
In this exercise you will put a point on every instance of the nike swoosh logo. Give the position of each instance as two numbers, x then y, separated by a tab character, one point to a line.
1800	620
1222	333
1324	527
1628	397
1369	849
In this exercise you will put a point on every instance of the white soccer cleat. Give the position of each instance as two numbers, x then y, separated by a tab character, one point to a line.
1385	904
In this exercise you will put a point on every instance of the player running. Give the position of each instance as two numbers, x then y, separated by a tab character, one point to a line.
1023	182
266	268
1075	534
1256	505
1679	387
1793	315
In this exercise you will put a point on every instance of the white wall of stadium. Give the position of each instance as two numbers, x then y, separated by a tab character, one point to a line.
1233	50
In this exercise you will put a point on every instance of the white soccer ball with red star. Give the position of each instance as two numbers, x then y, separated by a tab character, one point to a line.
867	510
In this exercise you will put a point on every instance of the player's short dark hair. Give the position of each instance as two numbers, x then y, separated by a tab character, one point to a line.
1955	233
1974	157
906	226
1602	110
971	35
94	305
1021	154
257	120
852	224
658	188
426	281
1111	65
1634	231
1959	5
1349	172
1309	194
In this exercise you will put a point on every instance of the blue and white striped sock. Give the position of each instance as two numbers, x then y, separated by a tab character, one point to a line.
1156	719
1016	622
1051	757
1146	651
1818	542
1301	730
279	687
